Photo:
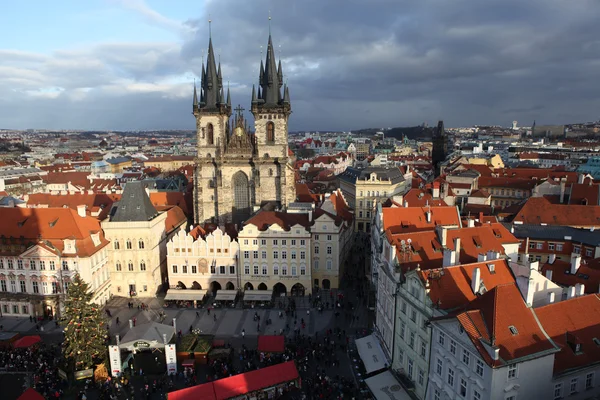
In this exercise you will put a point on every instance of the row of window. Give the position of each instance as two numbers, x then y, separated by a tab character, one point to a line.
264	270
128	244
14	309
221	270
33	265
411	369
119	267
53	288
503	192
210	250
284	254
589	252
284	242
574	386
466	356
413	315
374	193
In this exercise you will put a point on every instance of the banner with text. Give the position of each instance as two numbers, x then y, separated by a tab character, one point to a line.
115	360
171	356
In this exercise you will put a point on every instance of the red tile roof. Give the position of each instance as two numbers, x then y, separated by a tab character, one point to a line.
538	210
175	218
585	194
422	197
263	219
571	322
588	274
489	318
427	250
414	219
51	226
450	287
502	182
480	193
537	173
97	202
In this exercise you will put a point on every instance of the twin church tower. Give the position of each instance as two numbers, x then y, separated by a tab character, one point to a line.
238	171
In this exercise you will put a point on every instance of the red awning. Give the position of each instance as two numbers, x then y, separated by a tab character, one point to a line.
27	341
271	343
238	385
31	394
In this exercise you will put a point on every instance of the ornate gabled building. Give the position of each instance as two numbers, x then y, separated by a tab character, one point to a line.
237	171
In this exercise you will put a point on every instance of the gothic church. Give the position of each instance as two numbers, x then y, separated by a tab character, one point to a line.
237	171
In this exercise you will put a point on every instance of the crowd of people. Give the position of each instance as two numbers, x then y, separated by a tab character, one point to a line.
41	361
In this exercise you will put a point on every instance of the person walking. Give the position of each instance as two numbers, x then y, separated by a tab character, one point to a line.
243	333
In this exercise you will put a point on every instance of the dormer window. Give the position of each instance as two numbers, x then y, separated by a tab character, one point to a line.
492	268
513	330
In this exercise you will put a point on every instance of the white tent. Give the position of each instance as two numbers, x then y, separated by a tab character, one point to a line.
371	354
147	336
384	386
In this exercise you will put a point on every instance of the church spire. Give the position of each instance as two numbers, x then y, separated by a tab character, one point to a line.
195	101
270	78
211	88
228	96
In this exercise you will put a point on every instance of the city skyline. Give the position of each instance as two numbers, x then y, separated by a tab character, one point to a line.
118	64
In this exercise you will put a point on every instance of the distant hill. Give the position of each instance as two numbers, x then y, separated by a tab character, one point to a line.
412	132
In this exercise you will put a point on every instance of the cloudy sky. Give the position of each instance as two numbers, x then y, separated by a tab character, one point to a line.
130	64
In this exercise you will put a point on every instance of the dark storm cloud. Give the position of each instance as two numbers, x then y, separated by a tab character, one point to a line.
349	64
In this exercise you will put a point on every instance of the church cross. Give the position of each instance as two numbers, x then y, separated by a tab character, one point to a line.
239	109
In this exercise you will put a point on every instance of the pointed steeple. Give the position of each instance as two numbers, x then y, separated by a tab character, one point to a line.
280	74
286	95
220	77
254	100
211	80
228	97
222	97
261	74
195	101
270	81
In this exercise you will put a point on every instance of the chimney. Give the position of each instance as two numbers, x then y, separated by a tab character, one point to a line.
496	355
571	292
457	250
81	210
428	214
436	190
563	184
481	217
580	290
471	223
443	236
549	274
490	255
534	265
405	203
481	257
580	178
476	280
551	297
575	263
551	258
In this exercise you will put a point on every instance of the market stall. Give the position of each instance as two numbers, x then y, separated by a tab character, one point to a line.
184	297
225	298
258	298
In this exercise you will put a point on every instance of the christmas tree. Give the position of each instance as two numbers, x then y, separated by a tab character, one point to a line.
85	343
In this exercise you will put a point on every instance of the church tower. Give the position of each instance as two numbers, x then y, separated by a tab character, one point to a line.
212	111
271	108
439	150
236	171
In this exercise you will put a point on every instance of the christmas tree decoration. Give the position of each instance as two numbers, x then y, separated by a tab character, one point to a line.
84	345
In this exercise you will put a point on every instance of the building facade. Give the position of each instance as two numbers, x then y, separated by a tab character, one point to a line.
203	260
139	235
41	251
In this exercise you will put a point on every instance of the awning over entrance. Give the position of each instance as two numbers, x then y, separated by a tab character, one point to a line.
185	294
384	386
371	354
226	295
258	295
146	336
